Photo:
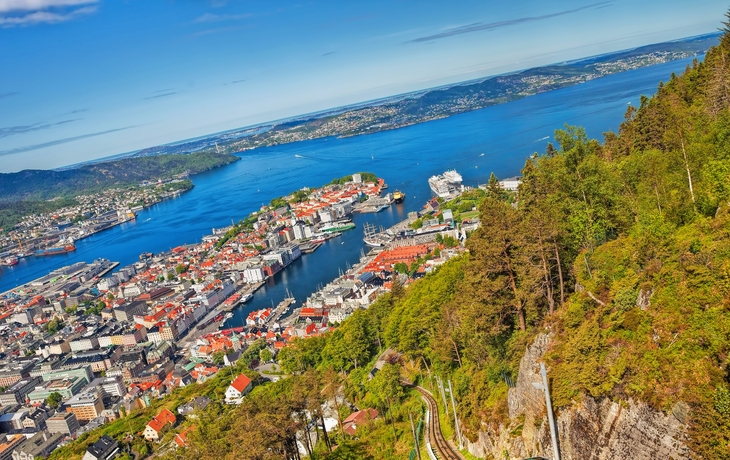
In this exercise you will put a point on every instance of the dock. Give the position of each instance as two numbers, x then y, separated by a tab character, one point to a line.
235	299
281	309
309	247
108	269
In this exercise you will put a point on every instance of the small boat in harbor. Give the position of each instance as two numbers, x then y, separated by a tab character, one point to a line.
398	196
339	226
10	261
54	251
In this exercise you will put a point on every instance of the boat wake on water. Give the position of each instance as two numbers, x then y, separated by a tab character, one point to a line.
307	157
469	158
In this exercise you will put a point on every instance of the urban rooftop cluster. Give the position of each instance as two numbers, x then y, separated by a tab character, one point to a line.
80	349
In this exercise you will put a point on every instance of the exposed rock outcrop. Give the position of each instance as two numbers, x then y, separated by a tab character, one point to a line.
588	430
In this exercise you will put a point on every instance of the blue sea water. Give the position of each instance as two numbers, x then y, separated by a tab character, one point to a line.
506	134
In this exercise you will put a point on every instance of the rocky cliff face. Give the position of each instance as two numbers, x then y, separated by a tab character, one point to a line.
588	430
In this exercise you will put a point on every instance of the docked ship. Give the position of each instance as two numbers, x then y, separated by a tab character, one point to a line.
446	184
375	239
398	196
339	226
374	208
10	261
247	297
375	204
55	251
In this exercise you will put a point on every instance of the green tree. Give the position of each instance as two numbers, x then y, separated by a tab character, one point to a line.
493	186
386	385
400	267
217	358
54	400
450	241
54	325
266	355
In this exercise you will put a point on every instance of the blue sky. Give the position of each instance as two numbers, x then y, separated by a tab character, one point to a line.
84	79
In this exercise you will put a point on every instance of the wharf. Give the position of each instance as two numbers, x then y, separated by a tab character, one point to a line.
241	293
309	247
108	269
281	309
256	287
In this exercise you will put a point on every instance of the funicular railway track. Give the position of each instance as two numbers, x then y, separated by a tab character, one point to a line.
443	449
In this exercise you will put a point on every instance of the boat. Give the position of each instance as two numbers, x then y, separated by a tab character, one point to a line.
398	196
56	250
374	208
10	261
375	239
319	239
339	226
247	297
228	315
446	184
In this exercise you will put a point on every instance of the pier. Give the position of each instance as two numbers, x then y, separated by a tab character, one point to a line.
280	310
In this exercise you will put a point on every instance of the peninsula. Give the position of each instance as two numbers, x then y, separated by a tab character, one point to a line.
434	103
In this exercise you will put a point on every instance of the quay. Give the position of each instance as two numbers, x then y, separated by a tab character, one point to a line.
234	300
281	310
107	270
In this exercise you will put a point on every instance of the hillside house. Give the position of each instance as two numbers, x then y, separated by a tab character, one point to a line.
239	388
158	424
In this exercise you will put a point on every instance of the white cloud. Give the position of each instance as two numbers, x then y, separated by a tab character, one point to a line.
208	17
39	5
47	17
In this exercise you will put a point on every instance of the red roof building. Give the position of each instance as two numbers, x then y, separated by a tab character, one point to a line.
240	387
358	418
158	424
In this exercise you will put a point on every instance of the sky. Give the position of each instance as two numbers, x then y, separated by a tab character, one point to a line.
86	79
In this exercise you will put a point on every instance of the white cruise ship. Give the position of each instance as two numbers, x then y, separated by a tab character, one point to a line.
446	184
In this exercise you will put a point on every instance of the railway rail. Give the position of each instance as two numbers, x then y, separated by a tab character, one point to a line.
443	449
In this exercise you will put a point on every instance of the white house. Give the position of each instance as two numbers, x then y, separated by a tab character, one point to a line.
511	184
239	388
